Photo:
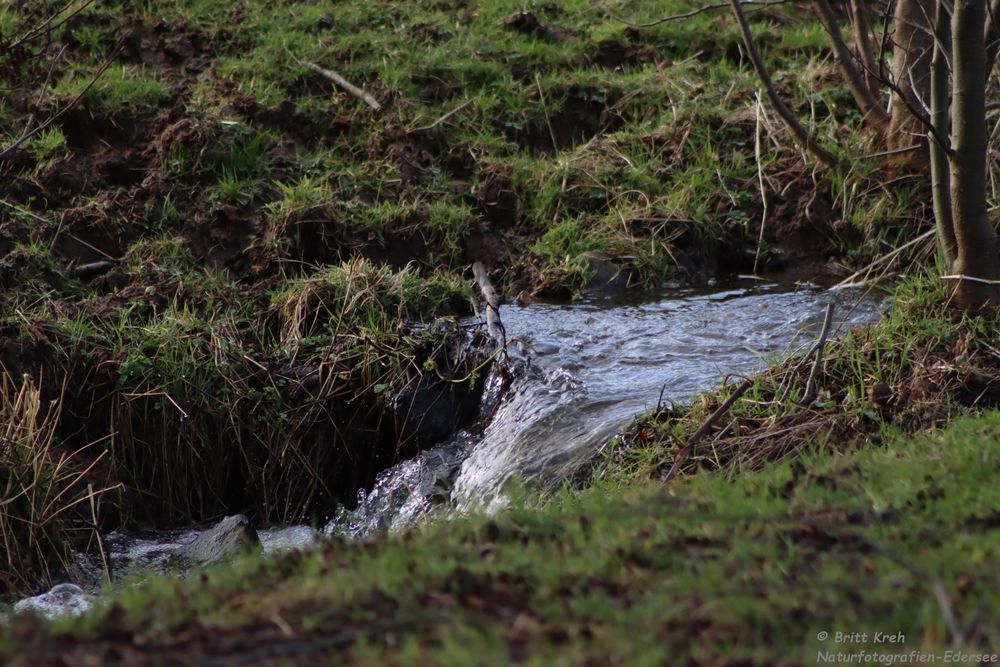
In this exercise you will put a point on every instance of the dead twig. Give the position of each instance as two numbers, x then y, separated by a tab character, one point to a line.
545	110
811	391
890	153
884	258
91	496
493	323
445	118
346	85
760	179
684	453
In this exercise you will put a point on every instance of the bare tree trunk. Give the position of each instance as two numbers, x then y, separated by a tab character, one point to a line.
861	15
872	111
976	261
940	170
913	46
802	138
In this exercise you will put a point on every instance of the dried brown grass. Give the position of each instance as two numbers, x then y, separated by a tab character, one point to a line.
44	492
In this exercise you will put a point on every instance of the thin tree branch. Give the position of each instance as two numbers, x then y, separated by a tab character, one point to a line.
801	136
872	111
883	43
940	170
811	391
753	4
39	29
76	100
861	13
917	113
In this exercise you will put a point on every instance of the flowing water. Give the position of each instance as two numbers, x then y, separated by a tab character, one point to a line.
589	368
585	370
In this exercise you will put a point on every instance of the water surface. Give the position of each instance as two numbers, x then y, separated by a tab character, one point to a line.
591	367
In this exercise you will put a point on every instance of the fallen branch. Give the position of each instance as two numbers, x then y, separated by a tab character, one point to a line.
343	83
92	270
684	453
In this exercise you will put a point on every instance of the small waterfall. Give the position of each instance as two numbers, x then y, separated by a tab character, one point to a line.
586	369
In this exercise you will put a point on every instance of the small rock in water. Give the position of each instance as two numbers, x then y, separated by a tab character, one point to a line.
64	599
233	535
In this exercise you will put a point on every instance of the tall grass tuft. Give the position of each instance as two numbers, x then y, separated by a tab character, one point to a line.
40	486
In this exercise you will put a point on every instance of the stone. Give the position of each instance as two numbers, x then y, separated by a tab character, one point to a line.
62	600
231	536
608	277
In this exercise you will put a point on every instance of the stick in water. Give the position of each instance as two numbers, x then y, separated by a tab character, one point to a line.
493	324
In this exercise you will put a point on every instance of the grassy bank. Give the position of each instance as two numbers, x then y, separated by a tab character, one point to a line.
526	139
853	514
924	365
898	538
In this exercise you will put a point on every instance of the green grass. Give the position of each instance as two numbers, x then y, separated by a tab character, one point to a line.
120	90
192	365
653	162
48	143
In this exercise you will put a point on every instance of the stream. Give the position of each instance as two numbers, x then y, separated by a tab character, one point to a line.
588	369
